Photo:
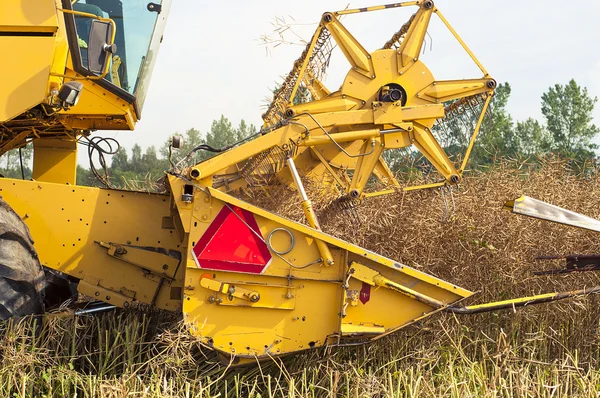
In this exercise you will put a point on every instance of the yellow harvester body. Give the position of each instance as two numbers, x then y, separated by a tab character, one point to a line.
249	282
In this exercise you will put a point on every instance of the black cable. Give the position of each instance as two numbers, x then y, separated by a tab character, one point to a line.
21	160
100	146
208	148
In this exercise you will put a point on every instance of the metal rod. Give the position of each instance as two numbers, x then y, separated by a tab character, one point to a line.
522	302
385	282
297	180
309	213
94	309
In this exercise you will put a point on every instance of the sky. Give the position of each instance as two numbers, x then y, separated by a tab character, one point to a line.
212	61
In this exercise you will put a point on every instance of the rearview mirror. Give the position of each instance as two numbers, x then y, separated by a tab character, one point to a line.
100	46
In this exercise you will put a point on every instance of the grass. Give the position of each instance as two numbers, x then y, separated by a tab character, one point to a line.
545	351
549	351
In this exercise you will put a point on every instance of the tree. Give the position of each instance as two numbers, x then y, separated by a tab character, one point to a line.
120	160
568	113
221	133
136	159
532	138
497	134
10	162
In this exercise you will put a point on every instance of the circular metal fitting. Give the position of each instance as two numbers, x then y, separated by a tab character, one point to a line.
195	173
354	194
289	112
292	241
454	179
254	297
327	17
491	84
428	4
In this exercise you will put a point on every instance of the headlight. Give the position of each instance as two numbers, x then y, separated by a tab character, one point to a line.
69	93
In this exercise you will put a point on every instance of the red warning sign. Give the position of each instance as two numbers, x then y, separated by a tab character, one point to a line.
233	242
365	293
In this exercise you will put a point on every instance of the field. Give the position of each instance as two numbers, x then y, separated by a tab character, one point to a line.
549	350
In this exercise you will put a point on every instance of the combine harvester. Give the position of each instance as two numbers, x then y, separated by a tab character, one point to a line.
248	282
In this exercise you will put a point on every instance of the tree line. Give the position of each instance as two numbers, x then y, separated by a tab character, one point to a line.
566	131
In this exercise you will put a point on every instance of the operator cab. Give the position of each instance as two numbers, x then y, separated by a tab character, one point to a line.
139	28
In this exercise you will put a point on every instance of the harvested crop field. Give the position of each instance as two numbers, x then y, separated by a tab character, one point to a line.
547	350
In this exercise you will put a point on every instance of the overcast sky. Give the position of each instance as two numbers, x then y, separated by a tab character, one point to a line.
212	62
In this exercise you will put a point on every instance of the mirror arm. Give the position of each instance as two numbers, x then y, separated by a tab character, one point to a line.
112	41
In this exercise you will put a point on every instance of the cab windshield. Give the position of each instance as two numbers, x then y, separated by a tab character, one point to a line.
135	21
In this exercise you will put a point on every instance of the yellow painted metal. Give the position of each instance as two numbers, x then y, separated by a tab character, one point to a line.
309	213
24	74
305	63
380	193
18	17
365	165
462	42
55	160
475	133
128	247
383	172
229	289
433	151
349	329
66	221
413	41
158	263
350	136
40	63
373	278
332	126
355	53
317	89
448	90
378	8
315	299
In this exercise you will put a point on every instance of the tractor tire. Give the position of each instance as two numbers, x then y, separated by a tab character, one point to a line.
22	279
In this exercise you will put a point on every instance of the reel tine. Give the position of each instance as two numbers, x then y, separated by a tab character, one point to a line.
261	169
349	207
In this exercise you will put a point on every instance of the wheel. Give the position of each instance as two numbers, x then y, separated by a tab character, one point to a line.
22	280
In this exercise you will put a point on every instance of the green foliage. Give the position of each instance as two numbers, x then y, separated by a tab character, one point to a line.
532	138
10	163
497	133
568	113
568	131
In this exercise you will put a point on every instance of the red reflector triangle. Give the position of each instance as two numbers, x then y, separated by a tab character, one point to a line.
233	242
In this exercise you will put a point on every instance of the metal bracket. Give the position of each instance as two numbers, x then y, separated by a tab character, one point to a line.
156	260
